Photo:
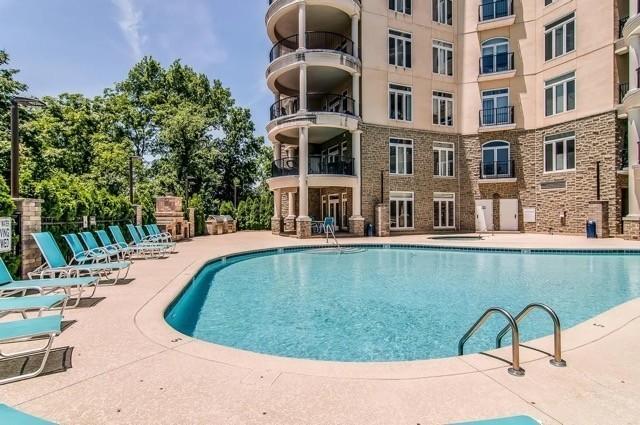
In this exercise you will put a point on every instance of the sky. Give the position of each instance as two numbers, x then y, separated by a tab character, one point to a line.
84	46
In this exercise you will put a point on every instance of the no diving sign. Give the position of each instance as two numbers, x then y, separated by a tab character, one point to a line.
5	234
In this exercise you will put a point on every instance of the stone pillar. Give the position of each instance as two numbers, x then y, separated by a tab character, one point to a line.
599	212
31	217
303	227
276	220
356	221
356	94
192	221
138	212
302	25
382	220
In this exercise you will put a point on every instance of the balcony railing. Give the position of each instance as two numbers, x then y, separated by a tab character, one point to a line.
498	170
621	24
500	62
335	103
623	88
495	9
496	116
272	1
314	40
318	164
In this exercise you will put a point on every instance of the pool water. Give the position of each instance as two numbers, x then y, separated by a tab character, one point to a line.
392	304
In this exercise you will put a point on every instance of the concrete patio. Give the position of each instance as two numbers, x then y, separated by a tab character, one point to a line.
129	366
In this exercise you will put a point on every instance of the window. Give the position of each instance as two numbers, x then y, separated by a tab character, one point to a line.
402	6
401	210
560	37
495	108
560	94
496	56
548	2
444	210
400	156
399	48
442	58
443	159
443	11
494	9
496	159
442	108
560	153
400	102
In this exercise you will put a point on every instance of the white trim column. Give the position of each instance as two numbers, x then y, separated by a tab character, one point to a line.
302	90
357	190
634	62
302	25
356	93
303	164
355	34
633	118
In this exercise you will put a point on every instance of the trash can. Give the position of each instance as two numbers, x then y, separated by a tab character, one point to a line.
591	229
370	230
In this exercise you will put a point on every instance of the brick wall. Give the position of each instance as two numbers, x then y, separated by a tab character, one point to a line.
31	216
598	138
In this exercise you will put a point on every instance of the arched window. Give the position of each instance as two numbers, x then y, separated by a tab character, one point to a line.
496	56
496	160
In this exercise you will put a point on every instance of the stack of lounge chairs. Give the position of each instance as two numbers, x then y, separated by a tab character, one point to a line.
39	303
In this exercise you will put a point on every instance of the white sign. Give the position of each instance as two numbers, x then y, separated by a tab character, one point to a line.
529	215
5	234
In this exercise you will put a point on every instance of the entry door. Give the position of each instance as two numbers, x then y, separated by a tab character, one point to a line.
334	207
508	214
484	215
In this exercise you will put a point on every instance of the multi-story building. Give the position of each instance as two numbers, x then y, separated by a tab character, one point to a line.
433	115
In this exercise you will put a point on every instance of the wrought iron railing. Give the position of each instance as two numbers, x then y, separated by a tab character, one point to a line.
499	62
495	9
335	103
496	116
314	40
623	88
318	164
621	23
497	170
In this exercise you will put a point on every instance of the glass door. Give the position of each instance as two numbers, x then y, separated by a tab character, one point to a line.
495	107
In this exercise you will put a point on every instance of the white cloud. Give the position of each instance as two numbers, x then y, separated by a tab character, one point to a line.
129	20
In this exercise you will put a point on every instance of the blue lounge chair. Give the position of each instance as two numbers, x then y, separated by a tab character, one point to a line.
56	265
9	415
108	244
26	330
39	303
144	250
147	238
138	241
82	256
9	286
91	243
155	230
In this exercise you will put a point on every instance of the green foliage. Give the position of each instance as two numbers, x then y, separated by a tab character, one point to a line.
226	208
197	203
255	212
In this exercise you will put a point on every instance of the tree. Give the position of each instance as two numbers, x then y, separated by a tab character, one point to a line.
9	87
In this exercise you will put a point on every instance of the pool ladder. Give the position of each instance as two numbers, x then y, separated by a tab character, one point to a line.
328	230
512	323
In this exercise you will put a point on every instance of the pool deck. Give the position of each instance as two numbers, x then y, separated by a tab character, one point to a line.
130	367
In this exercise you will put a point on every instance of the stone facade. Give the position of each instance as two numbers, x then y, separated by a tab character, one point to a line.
560	199
170	217
303	228
31	217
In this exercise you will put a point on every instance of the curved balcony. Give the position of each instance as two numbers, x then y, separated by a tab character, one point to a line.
631	27
287	10
323	110
631	99
322	49
322	171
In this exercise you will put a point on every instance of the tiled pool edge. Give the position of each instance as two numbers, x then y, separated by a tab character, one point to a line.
163	334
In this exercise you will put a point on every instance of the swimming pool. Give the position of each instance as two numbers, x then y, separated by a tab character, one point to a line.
391	303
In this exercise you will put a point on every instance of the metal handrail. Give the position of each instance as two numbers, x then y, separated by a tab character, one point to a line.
496	116
314	40
316	102
557	348
498	62
515	368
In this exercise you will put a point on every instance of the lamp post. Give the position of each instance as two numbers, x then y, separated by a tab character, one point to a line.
131	159
16	101
188	181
